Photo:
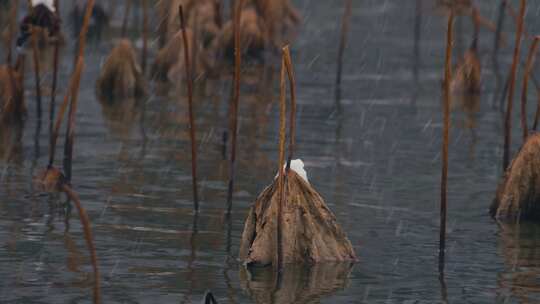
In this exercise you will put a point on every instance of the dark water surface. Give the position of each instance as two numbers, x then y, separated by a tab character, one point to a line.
377	166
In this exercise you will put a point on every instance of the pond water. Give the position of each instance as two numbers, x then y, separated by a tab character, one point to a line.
377	165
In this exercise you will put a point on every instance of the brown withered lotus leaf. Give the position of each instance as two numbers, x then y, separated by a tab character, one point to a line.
169	21
518	196
203	16
50	180
278	10
278	14
467	75
298	283
279	17
121	76
252	37
519	246
119	118
169	64
465	85
309	230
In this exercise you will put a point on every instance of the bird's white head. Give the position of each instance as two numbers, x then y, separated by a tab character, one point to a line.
48	3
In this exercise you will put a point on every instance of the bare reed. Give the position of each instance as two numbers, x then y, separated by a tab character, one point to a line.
446	135
37	72
189	83
292	86
70	132
235	101
528	69
89	238
52	105
511	87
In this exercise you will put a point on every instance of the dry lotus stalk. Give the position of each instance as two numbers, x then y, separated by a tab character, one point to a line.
309	230
519	193
511	86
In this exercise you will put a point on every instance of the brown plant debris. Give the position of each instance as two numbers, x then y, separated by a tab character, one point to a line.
121	76
519	193
169	23
465	85
53	180
467	75
169	64
203	19
309	231
298	283
280	17
50	180
252	37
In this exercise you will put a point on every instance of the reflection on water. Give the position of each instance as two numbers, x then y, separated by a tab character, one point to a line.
11	142
520	247
377	164
296	283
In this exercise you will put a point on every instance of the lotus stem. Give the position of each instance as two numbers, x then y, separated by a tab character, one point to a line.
528	69
52	106
281	174
446	135
89	238
235	101
292	84
511	87
189	82
70	132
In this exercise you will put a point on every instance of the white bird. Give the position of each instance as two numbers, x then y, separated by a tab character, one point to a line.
297	165
48	3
